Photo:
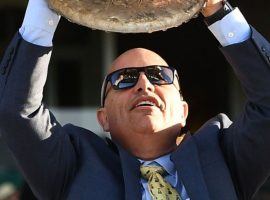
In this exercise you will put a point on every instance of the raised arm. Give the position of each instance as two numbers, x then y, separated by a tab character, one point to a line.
40	145
246	143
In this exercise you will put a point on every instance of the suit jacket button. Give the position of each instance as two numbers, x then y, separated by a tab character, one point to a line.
263	49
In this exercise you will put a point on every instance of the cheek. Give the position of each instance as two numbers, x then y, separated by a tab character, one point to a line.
175	110
115	106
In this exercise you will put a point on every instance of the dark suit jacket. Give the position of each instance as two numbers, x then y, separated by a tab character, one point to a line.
222	161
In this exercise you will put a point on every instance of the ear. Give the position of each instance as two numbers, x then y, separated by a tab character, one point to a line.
103	119
184	109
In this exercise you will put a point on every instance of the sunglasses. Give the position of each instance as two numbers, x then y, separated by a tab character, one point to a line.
128	77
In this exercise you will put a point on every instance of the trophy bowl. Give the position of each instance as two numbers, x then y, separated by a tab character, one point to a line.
128	16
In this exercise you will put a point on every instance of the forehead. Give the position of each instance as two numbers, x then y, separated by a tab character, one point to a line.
137	58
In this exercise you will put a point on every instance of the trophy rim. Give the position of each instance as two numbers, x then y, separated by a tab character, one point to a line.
130	18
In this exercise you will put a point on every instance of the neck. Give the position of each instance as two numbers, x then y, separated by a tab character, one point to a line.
153	153
151	146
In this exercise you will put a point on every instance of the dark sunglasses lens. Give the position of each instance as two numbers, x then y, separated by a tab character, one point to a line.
159	75
124	78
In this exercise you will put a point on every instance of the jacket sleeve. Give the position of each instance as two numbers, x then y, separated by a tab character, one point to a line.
246	143
39	144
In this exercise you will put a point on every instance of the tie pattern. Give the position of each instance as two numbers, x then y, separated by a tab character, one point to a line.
158	187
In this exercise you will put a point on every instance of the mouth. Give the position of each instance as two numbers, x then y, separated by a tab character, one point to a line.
147	102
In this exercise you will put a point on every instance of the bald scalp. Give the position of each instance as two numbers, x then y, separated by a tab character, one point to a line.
137	57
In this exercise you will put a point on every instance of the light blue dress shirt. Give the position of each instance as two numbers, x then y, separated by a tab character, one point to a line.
39	23
232	29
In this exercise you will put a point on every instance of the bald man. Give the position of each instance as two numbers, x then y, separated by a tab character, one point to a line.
147	131
143	110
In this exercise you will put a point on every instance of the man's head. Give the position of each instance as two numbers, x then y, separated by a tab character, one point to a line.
146	118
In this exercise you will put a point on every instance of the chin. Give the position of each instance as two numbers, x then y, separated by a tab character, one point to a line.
147	124
148	128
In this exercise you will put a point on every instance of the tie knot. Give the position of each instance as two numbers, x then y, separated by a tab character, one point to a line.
147	171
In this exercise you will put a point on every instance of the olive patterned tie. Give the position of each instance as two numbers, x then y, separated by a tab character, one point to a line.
158	187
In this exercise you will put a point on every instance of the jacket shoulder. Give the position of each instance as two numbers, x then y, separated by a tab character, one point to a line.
208	138
220	121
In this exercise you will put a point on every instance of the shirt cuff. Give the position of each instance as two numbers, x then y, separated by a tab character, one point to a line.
39	23
232	29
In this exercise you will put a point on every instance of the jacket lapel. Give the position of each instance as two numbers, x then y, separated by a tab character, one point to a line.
187	163
131	174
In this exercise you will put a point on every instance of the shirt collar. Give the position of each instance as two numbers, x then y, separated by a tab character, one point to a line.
164	161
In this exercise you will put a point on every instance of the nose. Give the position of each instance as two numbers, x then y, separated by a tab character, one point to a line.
144	84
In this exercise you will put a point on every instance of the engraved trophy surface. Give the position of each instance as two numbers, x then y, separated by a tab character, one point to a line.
128	16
